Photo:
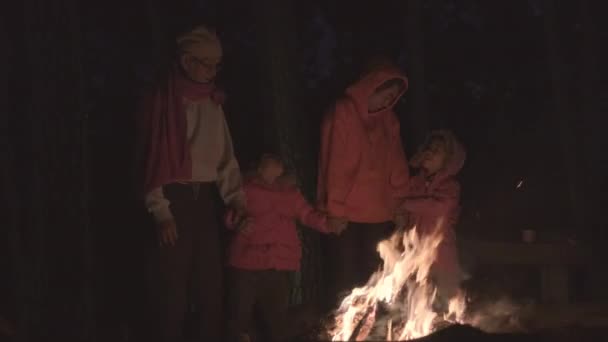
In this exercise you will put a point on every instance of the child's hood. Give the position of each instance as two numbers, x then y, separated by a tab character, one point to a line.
456	154
361	90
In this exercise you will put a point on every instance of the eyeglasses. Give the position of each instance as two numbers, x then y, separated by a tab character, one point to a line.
205	64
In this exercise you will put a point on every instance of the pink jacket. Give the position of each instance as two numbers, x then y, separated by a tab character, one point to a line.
273	242
362	167
430	201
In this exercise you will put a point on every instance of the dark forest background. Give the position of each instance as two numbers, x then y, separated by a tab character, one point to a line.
522	83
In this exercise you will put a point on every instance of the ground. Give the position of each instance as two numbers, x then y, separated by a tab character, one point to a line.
580	322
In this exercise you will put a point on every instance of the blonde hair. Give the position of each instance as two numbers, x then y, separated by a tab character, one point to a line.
443	136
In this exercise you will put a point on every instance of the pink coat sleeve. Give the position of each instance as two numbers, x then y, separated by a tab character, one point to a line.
442	200
338	162
308	216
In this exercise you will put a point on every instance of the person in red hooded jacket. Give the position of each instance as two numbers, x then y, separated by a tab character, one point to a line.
266	248
432	203
362	172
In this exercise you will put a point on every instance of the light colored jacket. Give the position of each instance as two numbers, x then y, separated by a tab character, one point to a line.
212	154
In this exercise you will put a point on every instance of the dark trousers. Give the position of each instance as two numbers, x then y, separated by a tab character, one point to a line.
189	272
264	294
351	258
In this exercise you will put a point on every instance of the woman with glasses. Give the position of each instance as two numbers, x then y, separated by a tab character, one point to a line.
188	155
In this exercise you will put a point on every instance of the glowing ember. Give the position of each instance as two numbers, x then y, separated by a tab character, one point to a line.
397	301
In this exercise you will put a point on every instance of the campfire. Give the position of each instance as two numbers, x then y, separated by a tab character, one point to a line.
398	301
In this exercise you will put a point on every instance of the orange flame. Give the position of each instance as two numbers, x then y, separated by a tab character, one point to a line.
402	288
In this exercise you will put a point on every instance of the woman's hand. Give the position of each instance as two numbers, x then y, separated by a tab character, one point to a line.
167	233
337	224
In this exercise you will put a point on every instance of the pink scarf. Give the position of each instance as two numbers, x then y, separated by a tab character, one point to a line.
163	127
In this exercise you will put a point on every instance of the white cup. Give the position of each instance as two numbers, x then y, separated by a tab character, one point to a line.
528	235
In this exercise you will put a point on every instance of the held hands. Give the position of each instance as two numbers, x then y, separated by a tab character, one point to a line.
242	221
167	233
337	224
244	225
400	220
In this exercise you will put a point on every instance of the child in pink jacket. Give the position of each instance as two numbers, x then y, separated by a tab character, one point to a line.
432	203
266	248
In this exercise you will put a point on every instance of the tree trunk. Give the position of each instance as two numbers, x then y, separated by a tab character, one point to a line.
52	235
419	119
588	96
286	128
277	54
9	201
560	115
591	134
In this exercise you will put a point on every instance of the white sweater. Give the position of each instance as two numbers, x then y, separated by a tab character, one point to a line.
212	154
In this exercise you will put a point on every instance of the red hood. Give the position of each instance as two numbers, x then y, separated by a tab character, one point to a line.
361	90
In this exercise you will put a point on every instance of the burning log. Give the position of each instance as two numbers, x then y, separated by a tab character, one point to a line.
365	325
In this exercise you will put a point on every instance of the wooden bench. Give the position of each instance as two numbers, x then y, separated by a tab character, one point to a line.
553	259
